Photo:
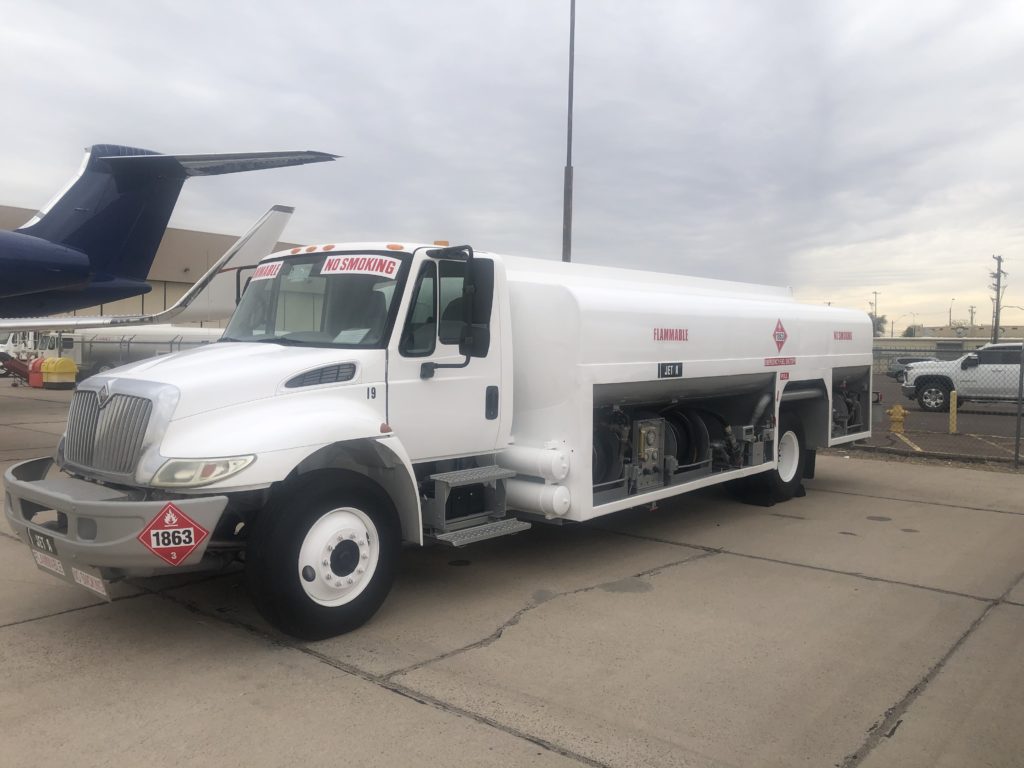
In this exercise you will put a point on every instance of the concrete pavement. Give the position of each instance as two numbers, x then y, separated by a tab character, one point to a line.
875	622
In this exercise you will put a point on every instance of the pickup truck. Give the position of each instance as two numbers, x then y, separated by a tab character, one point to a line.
989	374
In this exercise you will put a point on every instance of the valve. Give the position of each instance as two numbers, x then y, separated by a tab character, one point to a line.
897	414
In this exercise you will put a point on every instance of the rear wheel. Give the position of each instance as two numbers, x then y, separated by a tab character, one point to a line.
784	480
933	396
321	563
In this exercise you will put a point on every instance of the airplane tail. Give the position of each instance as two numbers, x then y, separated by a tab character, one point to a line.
117	208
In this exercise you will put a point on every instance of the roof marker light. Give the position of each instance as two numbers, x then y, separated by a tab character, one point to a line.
329	247
442	242
296	250
395	247
310	249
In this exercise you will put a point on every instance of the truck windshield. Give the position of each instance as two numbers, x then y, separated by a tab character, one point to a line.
326	300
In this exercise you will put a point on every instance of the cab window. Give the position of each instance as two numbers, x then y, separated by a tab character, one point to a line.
453	313
420	332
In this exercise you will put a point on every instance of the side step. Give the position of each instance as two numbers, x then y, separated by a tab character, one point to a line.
483	532
473	476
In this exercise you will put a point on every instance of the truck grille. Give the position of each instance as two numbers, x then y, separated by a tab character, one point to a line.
107	439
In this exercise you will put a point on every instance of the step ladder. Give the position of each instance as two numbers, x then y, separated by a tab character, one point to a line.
489	523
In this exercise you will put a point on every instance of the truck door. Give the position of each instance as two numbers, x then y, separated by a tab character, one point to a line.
452	409
998	371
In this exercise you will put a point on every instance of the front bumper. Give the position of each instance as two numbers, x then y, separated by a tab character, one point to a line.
98	526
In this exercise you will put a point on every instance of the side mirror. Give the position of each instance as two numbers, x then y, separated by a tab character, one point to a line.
971	361
475	341
477	298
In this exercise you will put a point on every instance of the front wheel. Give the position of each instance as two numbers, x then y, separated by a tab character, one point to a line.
321	563
933	397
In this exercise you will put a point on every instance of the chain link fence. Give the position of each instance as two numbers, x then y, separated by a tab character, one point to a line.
951	404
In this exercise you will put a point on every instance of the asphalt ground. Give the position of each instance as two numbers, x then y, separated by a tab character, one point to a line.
877	621
985	431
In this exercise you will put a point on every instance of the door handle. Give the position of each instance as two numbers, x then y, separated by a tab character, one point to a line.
491	403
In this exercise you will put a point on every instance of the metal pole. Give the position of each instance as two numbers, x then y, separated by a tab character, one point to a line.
1020	405
998	288
567	194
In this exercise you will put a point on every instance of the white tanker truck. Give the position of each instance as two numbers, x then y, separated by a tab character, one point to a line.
367	395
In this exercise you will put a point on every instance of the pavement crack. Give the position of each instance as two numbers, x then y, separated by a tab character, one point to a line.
381	681
886	727
518	615
71	610
917	501
808	566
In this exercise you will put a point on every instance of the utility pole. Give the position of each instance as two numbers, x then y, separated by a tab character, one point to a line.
567	194
877	331
999	274
971	310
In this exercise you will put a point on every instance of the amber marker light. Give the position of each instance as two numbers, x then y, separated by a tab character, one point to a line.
442	242
329	247
385	428
311	249
296	250
395	247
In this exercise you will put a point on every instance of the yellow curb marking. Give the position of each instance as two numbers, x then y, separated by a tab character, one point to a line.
908	441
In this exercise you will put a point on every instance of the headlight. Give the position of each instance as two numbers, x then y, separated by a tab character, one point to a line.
190	473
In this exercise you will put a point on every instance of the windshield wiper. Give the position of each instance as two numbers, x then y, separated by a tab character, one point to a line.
283	340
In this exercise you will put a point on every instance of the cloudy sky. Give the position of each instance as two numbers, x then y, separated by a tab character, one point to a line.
837	147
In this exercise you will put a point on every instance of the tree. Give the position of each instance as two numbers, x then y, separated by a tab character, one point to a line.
909	332
879	324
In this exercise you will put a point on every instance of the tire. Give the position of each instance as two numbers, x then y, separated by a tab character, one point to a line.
784	481
933	396
321	560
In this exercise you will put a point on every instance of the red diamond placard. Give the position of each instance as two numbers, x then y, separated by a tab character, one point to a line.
780	335
172	535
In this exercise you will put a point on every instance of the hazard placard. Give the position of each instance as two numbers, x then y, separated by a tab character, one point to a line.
172	535
779	335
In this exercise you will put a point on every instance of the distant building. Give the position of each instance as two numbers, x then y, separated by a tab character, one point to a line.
968	331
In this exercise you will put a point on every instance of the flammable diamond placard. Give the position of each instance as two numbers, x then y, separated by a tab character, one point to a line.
172	535
780	335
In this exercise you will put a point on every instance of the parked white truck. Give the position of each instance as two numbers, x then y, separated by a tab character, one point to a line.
367	395
990	374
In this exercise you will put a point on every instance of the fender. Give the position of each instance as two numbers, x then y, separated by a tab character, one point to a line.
386	462
290	439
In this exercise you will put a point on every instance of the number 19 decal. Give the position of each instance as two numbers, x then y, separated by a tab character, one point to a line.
371	393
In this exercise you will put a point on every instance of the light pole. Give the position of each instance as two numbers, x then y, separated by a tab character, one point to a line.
567	190
892	326
951	313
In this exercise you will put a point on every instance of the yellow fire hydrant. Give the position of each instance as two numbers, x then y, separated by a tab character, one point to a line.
896	415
